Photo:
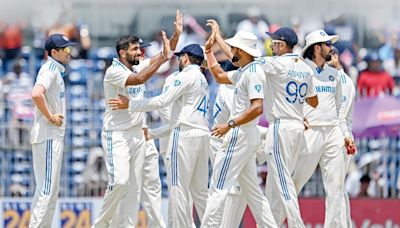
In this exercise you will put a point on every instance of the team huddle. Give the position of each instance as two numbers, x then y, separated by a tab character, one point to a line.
306	98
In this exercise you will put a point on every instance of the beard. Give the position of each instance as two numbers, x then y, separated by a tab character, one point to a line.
234	59
181	65
132	60
328	57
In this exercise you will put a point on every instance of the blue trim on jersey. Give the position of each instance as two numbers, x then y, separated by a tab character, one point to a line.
118	63
343	78
48	169
110	159
228	158
278	161
174	157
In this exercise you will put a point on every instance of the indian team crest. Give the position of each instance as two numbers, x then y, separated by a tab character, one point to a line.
331	78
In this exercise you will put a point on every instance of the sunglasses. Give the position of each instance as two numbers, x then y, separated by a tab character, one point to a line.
328	43
65	49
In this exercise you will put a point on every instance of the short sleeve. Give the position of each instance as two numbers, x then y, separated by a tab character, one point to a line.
45	79
271	66
255	85
117	76
311	88
233	76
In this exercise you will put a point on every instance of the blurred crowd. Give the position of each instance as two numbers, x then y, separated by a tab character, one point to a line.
373	65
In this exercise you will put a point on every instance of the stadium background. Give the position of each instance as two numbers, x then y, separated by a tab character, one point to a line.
369	27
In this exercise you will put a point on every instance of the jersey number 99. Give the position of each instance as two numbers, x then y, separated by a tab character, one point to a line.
296	92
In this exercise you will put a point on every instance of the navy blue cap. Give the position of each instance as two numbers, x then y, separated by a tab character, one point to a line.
192	49
372	56
286	34
57	41
143	44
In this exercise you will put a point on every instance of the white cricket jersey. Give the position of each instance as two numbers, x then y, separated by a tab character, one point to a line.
50	76
249	83
114	84
137	68
329	90
163	131
348	99
223	104
189	95
289	81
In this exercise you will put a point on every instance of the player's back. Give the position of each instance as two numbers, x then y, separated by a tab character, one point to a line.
288	84
190	109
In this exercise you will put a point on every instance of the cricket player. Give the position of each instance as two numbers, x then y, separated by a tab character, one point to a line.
348	99
122	137
289	86
236	161
327	132
47	136
188	95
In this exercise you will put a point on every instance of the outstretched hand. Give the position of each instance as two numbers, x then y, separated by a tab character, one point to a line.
118	103
178	22
214	27
166	46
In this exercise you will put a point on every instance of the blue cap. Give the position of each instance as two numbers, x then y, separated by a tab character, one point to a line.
143	44
57	41
372	56
285	34
192	49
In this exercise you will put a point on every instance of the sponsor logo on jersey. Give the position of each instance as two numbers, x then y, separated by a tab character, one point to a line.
325	89
258	88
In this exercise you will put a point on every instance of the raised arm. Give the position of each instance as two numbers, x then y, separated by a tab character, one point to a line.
216	32
219	74
147	72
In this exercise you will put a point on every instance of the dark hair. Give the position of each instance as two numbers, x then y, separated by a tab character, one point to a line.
309	54
49	52
194	59
124	41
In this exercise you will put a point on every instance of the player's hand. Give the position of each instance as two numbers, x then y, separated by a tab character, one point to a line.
306	124
56	119
178	22
214	27
220	130
351	147
166	52
334	62
118	103
209	43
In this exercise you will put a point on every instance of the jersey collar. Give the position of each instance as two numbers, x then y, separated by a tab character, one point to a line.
60	67
314	66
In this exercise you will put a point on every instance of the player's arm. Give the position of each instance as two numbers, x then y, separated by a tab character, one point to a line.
173	40
149	104
146	73
38	97
219	74
255	109
312	97
216	34
162	131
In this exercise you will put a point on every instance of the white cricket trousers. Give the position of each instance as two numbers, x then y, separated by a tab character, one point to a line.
346	200
285	142
151	187
47	160
235	203
325	148
237	162
188	176
124	155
